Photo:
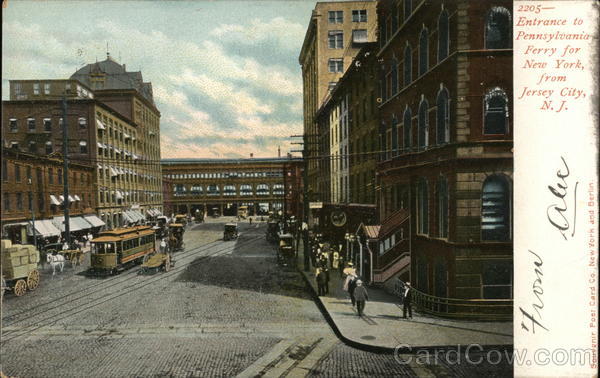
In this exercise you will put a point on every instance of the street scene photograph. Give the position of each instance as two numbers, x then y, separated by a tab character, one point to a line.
258	188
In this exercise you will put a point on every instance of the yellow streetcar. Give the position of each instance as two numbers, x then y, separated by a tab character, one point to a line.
115	250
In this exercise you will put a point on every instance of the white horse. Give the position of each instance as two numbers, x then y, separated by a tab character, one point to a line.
57	260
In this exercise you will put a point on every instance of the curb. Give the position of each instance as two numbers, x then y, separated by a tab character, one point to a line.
387	350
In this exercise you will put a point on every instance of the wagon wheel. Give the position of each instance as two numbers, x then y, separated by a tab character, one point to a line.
33	279
167	263
20	287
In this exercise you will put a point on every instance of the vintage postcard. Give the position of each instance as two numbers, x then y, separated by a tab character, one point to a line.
299	188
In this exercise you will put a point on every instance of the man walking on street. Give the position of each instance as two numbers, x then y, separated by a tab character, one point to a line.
407	299
320	282
361	296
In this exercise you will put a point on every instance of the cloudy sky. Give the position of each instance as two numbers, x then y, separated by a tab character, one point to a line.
225	74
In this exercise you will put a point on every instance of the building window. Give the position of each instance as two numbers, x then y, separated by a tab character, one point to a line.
498	26
359	36
442	207
407	9
336	17
497	280
82	123
19	201
14	145
443	117
32	147
4	170
407	65
331	86
407	129
394	77
336	65
423	124
17	173
395	17
6	201
31	124
13	126
422	207
423	52
496	209
36	89
336	39
495	112
47	124
49	149
41	203
394	136
59	176
47	88
51	176
83	147
29	201
443	36
359	15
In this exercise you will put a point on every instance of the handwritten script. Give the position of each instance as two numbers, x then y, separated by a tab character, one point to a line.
558	212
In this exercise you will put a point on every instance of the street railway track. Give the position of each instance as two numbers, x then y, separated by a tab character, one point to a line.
50	319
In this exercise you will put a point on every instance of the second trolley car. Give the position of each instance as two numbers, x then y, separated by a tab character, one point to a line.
115	250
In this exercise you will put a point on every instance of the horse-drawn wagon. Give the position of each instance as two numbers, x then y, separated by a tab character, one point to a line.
286	253
156	262
19	267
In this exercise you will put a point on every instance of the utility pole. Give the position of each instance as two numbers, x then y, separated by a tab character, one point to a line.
305	209
66	201
285	228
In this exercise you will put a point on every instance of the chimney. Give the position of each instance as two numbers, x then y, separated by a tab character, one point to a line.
278	151
251	154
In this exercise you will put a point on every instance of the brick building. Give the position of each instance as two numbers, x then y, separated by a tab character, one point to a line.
32	185
447	161
113	125
223	185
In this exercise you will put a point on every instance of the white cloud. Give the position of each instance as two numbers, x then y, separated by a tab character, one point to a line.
278	28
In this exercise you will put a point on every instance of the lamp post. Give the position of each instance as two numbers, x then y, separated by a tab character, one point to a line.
32	212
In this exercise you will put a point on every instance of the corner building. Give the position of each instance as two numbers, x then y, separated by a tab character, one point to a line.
447	138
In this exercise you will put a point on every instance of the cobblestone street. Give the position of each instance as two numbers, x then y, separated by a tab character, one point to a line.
226	308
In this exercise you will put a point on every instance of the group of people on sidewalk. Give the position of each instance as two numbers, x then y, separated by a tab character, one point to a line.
331	259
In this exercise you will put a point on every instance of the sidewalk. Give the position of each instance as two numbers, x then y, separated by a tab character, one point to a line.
382	326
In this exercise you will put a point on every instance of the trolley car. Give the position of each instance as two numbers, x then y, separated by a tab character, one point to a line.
115	250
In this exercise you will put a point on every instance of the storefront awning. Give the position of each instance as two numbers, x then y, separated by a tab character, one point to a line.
94	220
77	198
100	125
127	217
119	194
54	200
44	227
75	223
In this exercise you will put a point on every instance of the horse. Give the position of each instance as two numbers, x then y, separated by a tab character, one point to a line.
56	260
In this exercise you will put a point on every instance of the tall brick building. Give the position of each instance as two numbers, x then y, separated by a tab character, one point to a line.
446	124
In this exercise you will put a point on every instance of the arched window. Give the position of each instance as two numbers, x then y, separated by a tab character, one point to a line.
407	65
229	190
495	112
394	136
498	27
394	76
262	190
382	139
422	207
442	207
443	36
496	209
48	148
423	52
196	190
443	117
423	124
407	129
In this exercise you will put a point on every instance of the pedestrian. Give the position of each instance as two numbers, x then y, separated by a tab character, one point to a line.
361	296
320	282
89	239
325	270
163	245
335	261
406	301
351	288
65	246
250	220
